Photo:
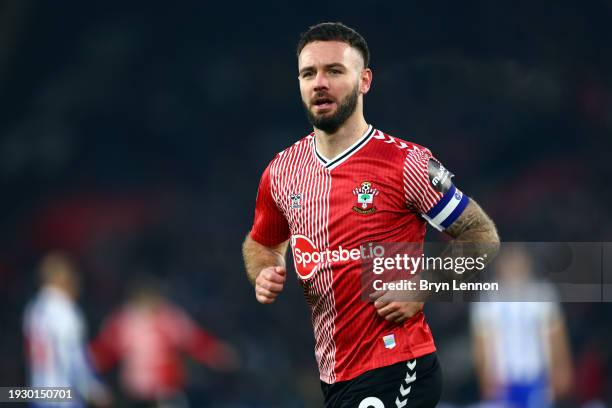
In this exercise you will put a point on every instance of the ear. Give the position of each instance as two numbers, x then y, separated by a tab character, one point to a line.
365	80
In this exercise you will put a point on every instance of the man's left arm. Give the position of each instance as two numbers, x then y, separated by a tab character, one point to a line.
474	225
474	235
475	228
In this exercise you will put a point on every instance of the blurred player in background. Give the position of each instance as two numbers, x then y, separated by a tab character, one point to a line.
55	337
521	348
147	336
343	186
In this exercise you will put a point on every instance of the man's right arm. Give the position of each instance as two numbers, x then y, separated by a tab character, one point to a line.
265	267
265	246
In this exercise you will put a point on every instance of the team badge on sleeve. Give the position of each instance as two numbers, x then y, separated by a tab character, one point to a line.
365	198
439	176
451	204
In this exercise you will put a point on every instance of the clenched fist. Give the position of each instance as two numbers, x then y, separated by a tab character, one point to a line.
269	284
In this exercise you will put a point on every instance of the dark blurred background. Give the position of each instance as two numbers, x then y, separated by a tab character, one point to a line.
133	135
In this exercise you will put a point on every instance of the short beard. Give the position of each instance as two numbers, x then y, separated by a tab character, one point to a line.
331	123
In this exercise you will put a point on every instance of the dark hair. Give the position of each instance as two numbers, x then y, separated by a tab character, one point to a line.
335	32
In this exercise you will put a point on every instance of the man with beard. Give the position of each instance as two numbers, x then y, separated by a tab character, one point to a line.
334	193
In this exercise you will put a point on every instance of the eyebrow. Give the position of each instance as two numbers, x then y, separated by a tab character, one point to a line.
332	65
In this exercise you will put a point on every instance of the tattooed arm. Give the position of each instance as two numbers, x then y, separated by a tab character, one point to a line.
474	226
474	236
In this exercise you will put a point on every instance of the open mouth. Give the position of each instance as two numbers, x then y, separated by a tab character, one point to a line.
322	103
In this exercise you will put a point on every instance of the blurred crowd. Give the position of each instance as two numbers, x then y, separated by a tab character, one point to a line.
132	138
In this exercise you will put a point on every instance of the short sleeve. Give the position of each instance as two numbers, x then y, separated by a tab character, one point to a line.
270	226
429	189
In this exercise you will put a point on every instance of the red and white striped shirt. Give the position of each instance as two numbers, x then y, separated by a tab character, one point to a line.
381	189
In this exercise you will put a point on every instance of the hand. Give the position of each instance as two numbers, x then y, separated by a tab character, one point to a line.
269	284
394	310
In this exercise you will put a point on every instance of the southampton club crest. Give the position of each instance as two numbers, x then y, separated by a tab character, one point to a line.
365	198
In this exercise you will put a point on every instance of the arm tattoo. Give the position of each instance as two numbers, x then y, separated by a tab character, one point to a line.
474	236
473	226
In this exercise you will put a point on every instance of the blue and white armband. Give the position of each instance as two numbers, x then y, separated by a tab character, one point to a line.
448	209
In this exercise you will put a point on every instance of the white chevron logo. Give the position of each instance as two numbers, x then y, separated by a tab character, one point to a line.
391	140
411	364
409	379
404	391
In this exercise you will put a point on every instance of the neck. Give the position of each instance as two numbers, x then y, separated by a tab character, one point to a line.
331	145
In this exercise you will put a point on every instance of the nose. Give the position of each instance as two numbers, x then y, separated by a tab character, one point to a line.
321	81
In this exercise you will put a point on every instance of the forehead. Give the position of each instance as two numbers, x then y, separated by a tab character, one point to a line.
329	52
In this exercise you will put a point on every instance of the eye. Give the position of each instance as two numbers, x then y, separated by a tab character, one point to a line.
335	71
306	74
